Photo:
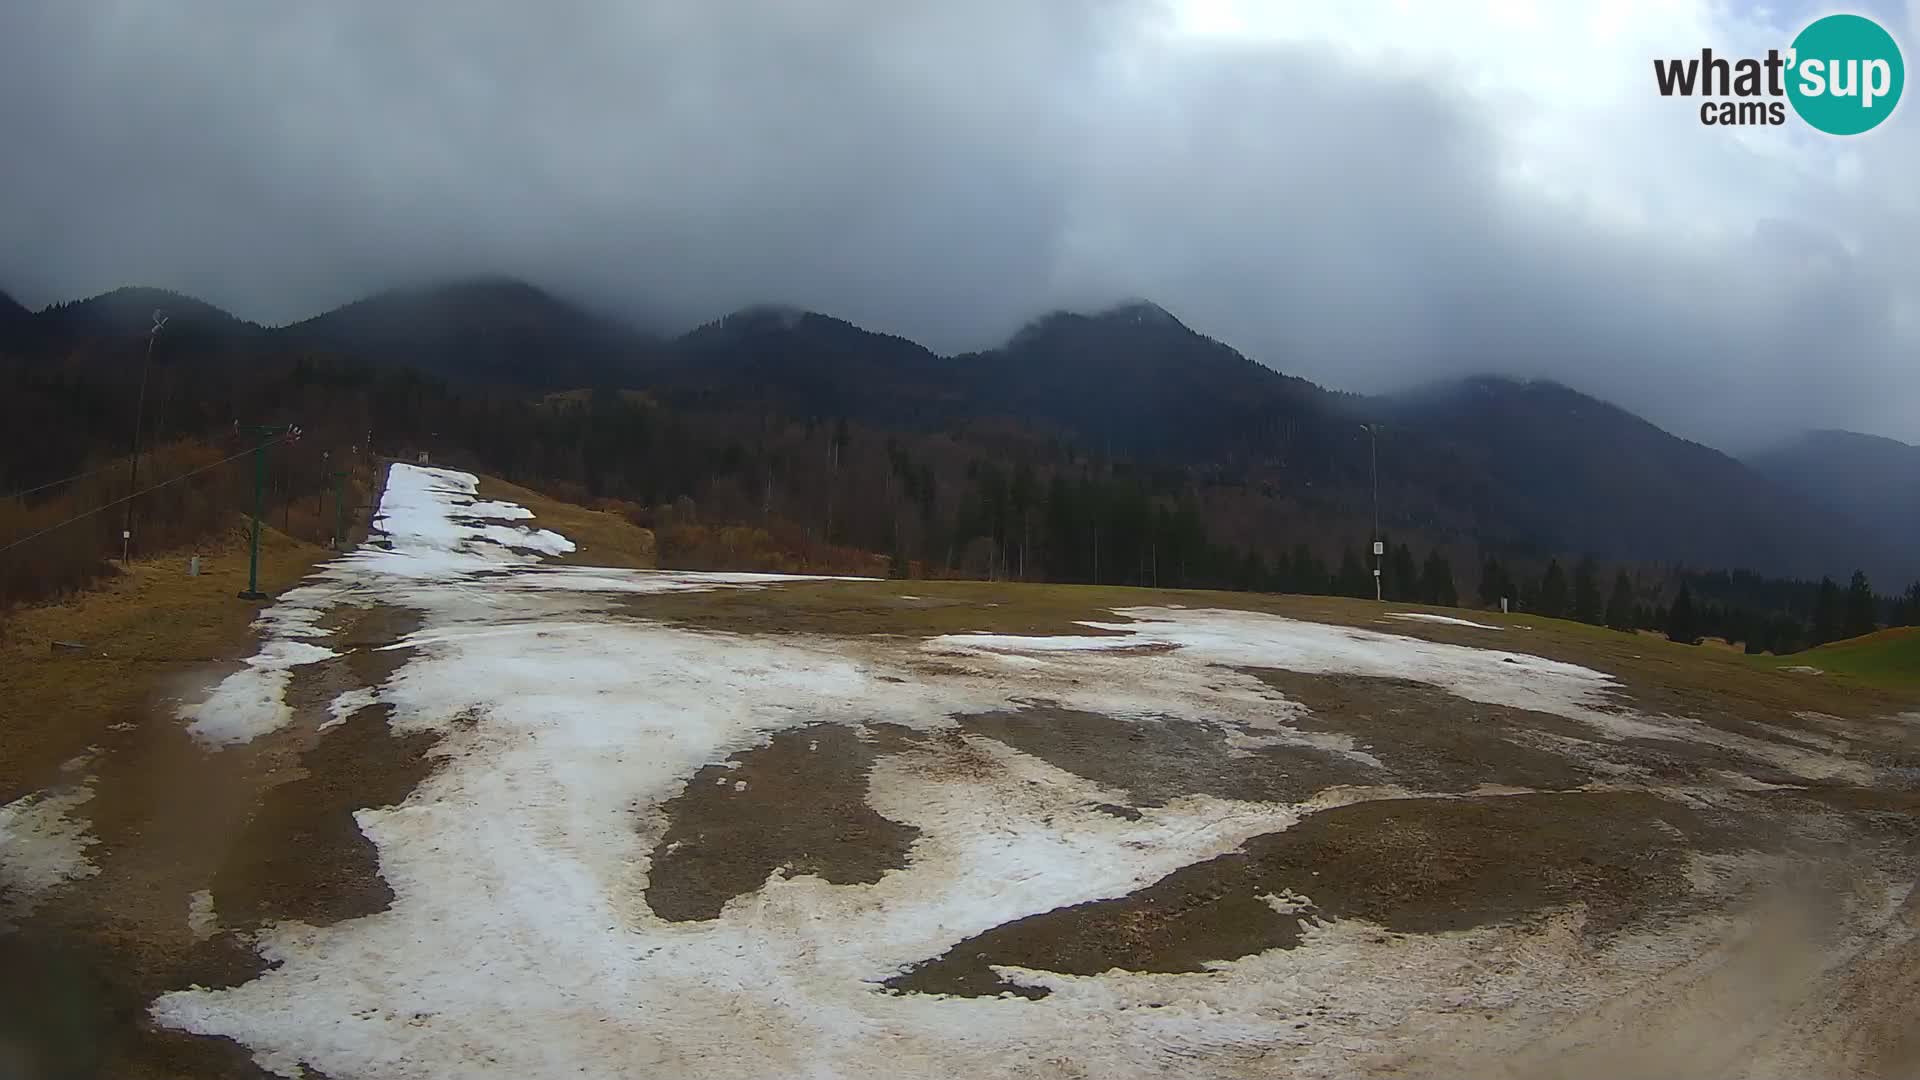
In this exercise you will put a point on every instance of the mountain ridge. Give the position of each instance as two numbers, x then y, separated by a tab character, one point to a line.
1491	458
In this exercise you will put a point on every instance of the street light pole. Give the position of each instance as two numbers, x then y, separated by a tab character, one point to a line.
133	467
1379	549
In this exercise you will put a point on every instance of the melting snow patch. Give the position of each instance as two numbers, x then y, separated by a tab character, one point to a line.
251	702
544	541
526	854
1448	620
43	843
1016	643
202	923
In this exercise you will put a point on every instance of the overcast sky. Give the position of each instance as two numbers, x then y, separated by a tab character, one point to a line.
1369	193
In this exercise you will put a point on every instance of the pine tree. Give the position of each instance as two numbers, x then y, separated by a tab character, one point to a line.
1681	626
1353	579
1494	585
1906	608
1403	582
1859	618
1586	591
1308	575
1253	573
1436	581
1553	591
1826	613
1620	605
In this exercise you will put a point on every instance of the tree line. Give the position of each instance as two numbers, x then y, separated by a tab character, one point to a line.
984	499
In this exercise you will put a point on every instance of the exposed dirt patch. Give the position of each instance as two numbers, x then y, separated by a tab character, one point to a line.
67	1012
1432	740
798	804
858	608
1686	761
1155	759
1409	865
366	636
270	823
366	639
302	856
91	956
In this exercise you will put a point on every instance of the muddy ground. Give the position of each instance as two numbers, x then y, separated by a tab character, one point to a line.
266	829
1479	816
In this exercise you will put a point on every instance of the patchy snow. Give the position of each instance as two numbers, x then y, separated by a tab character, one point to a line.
348	702
1448	620
252	701
1255	640
544	541
43	843
502	511
202	922
519	942
1016	643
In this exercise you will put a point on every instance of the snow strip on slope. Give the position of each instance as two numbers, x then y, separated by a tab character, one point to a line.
1447	620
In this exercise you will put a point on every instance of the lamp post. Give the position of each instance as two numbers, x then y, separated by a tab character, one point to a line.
1379	549
133	467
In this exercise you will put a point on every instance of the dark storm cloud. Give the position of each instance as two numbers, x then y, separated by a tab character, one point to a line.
946	171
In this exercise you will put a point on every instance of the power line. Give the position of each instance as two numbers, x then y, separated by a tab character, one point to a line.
114	464
137	494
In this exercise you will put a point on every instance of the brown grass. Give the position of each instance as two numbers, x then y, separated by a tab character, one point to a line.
139	629
1656	673
600	538
204	487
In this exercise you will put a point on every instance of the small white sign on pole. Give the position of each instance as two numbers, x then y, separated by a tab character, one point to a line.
1379	547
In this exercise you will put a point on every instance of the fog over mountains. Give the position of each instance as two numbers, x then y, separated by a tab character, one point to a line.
1369	195
1501	459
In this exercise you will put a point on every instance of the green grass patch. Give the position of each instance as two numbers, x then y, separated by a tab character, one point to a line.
1888	658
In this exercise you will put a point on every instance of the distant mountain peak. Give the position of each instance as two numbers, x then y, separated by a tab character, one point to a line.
783	316
1135	313
1145	312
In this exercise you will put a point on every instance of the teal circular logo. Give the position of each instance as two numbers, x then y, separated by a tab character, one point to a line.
1845	74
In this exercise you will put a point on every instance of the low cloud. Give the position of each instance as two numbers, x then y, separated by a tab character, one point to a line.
1371	195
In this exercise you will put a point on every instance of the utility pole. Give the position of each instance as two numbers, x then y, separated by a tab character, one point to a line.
133	467
339	509
265	435
1379	548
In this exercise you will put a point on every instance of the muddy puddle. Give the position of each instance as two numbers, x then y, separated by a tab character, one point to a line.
1407	865
797	805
